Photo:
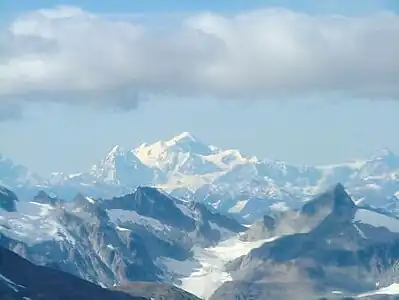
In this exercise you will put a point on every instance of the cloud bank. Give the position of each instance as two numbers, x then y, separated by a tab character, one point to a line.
67	54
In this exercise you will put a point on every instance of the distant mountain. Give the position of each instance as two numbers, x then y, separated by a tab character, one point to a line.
18	178
226	180
124	168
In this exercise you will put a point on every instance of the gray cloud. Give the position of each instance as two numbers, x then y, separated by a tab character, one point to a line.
67	54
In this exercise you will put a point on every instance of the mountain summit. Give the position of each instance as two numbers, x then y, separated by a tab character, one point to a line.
225	179
184	137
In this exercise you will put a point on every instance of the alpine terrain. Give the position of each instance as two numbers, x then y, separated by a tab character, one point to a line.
226	180
152	245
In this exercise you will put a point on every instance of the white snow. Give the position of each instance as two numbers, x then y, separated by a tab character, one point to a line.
376	219
32	223
392	289
279	206
336	292
10	283
206	272
122	228
224	233
186	210
91	200
126	216
360	231
239	206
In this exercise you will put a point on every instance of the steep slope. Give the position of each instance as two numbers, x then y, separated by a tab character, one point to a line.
21	280
7	200
328	245
122	167
158	291
112	241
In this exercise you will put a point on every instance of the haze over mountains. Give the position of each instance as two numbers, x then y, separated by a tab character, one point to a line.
171	213
226	180
144	242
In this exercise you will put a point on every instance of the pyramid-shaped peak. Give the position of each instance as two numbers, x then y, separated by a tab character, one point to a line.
339	188
42	194
79	197
335	199
184	136
43	197
187	143
341	197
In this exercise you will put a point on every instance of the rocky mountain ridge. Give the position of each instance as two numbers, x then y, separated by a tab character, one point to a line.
329	248
110	242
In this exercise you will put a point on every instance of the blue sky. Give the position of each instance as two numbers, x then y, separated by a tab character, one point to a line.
321	129
124	6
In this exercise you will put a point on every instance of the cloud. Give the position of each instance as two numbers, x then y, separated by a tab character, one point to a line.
67	54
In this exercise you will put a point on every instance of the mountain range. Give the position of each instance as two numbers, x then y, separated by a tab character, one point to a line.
23	280
226	180
152	245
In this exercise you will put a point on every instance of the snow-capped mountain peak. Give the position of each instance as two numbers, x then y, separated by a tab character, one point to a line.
183	137
225	179
117	149
185	142
121	166
118	154
180	154
185	152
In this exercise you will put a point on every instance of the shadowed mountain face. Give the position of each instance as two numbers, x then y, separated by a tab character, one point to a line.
328	248
7	200
21	280
111	242
328	245
335	204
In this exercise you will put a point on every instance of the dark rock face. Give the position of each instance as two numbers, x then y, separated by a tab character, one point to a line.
219	219
322	248
7	200
334	204
150	202
43	197
112	242
20	279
